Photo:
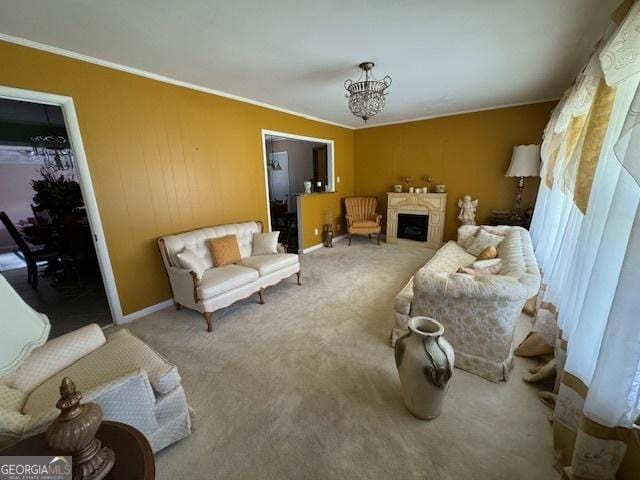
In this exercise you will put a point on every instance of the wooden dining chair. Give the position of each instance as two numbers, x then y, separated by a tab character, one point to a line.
32	255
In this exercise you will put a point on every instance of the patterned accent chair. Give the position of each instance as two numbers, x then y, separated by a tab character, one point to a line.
130	381
362	218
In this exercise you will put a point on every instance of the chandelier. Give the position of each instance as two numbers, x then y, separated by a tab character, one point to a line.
55	152
366	96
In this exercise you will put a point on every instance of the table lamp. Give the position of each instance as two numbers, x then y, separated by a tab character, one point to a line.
525	162
23	329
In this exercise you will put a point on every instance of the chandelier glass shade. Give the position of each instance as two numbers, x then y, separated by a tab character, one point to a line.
55	152
367	94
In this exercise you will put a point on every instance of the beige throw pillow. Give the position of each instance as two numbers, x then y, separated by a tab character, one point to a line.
190	260
265	243
482	240
488	253
225	250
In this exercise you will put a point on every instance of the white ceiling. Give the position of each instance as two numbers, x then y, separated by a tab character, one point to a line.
444	56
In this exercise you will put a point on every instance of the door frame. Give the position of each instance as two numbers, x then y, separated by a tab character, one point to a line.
86	185
330	171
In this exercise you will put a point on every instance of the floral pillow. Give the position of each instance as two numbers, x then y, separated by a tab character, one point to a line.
482	241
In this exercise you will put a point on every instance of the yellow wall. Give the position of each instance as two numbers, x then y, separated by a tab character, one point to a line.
165	159
468	153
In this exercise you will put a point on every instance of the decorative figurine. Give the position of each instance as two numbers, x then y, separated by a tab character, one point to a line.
467	210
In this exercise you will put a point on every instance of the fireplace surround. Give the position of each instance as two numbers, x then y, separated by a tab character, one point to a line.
430	205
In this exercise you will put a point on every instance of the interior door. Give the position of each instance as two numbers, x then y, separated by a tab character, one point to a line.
320	166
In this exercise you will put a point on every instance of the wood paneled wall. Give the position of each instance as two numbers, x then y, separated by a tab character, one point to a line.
166	159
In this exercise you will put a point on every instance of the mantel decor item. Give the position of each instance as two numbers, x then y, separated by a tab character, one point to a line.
427	180
73	433
307	186
424	359
367	95
467	208
525	162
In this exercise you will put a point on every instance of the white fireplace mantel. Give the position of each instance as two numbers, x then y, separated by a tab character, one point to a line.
432	204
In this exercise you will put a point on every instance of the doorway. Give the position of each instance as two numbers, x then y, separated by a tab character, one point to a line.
48	246
295	166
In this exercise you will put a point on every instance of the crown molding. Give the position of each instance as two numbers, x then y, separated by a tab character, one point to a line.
160	78
462	112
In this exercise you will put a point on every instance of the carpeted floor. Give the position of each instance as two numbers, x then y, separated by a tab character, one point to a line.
305	387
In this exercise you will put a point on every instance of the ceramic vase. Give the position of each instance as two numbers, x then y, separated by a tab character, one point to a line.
307	187
424	359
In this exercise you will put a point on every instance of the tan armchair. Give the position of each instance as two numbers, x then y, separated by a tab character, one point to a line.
362	218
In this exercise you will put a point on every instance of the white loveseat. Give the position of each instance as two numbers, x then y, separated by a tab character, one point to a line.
219	287
130	381
479	313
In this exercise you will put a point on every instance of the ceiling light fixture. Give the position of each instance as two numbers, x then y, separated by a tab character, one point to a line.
54	150
366	96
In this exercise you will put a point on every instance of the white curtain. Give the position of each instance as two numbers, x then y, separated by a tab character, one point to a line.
591	265
615	372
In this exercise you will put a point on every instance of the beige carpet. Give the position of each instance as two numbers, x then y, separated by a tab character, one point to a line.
305	387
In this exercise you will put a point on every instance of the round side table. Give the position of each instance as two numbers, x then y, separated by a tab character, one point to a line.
134	457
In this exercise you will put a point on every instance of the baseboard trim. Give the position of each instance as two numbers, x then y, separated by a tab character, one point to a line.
320	245
145	311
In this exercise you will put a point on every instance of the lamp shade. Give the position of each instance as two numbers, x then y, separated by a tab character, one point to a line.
525	161
21	328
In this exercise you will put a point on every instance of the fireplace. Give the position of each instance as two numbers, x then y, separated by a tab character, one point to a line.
416	218
413	227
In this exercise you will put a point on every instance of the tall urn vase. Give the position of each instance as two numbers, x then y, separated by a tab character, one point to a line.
424	359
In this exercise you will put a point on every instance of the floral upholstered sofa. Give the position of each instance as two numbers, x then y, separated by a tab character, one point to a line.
480	312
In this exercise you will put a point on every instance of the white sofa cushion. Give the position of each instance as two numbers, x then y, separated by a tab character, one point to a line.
491	262
195	260
449	259
218	280
265	243
266	264
122	354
